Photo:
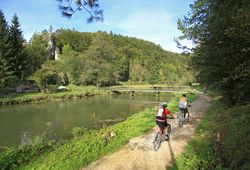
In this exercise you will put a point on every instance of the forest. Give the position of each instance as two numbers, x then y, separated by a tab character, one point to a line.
83	58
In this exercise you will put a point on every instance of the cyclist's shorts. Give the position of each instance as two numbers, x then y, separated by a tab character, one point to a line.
184	109
161	124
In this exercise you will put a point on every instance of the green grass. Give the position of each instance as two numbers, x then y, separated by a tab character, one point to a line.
94	144
235	137
74	92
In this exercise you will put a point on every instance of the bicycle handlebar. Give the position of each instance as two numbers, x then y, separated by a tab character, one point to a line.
170	117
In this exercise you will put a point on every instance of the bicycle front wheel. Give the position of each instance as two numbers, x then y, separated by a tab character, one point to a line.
157	141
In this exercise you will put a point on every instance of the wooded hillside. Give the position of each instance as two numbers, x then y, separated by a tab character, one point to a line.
100	59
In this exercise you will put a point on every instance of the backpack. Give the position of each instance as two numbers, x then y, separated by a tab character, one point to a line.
160	112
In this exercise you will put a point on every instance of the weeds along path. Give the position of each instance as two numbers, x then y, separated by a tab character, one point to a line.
139	153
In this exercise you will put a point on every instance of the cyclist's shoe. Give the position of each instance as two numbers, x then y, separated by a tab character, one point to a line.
166	137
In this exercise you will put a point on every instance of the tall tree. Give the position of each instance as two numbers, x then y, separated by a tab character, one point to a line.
37	53
220	30
99	63
5	52
19	64
73	64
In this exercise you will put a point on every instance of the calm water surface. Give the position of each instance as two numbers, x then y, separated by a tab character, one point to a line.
19	122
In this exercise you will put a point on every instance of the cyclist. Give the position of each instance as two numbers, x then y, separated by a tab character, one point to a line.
184	104
161	119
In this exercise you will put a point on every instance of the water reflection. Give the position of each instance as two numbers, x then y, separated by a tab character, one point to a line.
19	123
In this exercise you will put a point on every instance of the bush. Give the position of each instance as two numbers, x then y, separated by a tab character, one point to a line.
13	158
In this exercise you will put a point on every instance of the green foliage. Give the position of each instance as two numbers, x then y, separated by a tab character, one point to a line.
102	59
72	65
19	62
78	41
99	69
221	57
37	52
6	73
13	59
13	158
47	75
78	132
235	136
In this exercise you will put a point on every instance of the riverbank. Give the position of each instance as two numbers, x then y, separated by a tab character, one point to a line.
87	148
74	92
221	140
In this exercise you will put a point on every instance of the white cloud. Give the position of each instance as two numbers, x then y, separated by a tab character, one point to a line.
156	26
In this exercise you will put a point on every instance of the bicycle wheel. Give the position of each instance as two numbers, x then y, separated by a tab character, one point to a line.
168	133
157	141
181	119
169	129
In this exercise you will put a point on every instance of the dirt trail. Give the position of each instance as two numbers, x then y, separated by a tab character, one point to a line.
139	153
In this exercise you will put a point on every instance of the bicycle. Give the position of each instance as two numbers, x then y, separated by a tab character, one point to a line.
160	136
182	118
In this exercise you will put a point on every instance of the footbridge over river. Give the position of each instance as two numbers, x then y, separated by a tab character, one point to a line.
153	89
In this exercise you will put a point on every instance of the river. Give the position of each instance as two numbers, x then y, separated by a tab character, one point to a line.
20	123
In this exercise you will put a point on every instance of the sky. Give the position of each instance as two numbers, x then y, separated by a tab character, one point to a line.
151	20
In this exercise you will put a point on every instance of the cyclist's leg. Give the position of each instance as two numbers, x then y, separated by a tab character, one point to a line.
188	115
185	112
166	129
160	125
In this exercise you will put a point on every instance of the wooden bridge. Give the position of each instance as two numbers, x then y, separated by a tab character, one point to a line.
157	90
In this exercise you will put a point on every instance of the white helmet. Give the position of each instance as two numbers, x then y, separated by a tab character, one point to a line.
164	104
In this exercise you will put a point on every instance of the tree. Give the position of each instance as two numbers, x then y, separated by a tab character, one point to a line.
99	63
6	74
19	62
47	75
220	30
90	6
37	53
77	40
73	64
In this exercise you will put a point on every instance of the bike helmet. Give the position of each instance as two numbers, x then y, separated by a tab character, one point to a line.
164	104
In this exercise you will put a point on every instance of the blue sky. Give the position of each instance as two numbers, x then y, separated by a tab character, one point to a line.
152	20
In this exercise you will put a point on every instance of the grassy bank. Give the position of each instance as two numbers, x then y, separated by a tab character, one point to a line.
82	150
222	140
74	92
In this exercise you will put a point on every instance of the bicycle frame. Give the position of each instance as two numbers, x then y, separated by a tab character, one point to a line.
160	136
181	118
